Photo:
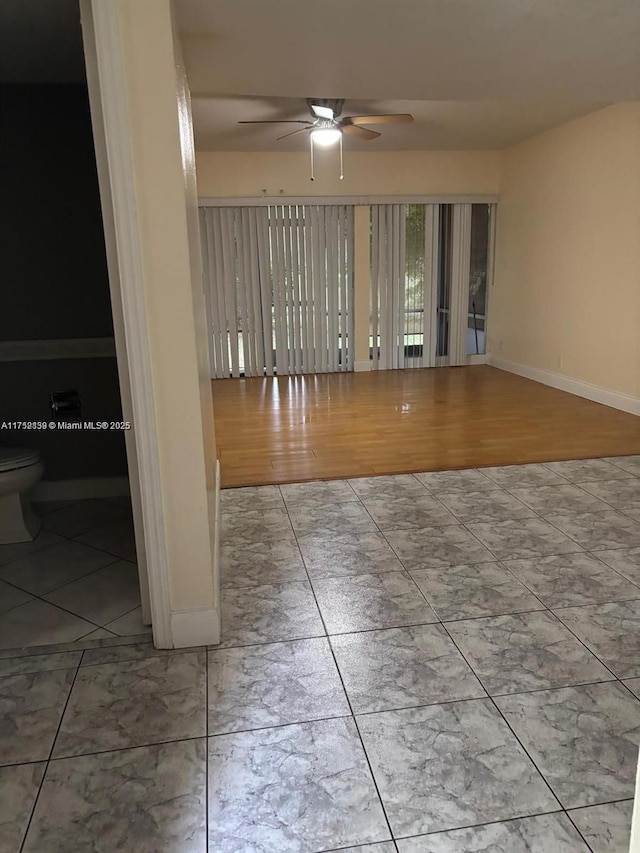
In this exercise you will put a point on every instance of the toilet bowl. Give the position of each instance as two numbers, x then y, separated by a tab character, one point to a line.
20	470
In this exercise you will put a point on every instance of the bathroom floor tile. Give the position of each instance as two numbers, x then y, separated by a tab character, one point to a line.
525	651
38	623
572	579
146	799
623	495
625	561
18	550
134	703
46	570
481	589
599	531
30	709
254	527
363	602
348	517
521	476
329	555
80	517
525	537
630	464
401	667
251	498
39	663
611	631
273	684
494	505
102	596
261	563
115	538
404	512
264	614
129	625
437	546
445	766
583	739
455	481
19	787
552	500
607	828
549	833
320	493
301	787
11	596
587	470
397	485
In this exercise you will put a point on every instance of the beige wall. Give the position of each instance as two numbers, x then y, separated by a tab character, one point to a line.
166	199
248	173
567	270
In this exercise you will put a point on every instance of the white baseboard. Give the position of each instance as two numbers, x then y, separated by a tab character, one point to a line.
615	399
70	490
195	628
362	366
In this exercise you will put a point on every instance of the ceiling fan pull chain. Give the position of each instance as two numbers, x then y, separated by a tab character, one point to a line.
311	149
341	164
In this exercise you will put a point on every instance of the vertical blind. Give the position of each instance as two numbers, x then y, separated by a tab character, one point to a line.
279	287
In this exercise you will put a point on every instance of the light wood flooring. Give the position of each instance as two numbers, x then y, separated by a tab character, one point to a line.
332	425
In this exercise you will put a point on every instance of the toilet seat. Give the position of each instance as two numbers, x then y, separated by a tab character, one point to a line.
12	458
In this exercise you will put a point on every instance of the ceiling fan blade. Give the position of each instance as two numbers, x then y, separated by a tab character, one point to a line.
322	112
362	132
381	119
293	133
277	121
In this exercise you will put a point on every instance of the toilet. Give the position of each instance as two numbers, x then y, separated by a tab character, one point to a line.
20	470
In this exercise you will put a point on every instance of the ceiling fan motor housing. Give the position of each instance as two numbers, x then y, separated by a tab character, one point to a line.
334	104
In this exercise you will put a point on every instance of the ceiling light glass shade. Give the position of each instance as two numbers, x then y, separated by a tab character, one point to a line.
326	136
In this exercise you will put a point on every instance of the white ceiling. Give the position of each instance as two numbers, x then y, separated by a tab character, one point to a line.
474	73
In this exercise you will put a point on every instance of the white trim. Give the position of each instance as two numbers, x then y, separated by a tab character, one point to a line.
614	399
235	201
79	490
362	366
57	349
481	358
195	628
103	44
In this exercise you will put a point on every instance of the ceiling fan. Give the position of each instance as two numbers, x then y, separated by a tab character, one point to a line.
326	128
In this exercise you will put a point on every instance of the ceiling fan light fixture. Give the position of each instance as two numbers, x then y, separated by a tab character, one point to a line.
326	136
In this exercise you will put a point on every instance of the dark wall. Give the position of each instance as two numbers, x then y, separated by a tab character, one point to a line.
53	274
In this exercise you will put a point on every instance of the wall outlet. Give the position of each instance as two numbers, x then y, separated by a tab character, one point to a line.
559	362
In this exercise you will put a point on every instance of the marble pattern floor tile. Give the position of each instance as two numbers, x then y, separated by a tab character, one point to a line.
599	531
396	485
402	667
101	596
39	663
381	847
498	505
552	500
30	709
130	651
255	526
571	579
587	470
625	561
19	787
469	480
272	685
261	563
437	546
147	799
317	493
363	602
81	517
606	828
134	703
525	651
611	631
446	766
521	476
630	464
11	596
301	787
115	538
99	634
336	518
329	555
481	589
403	512
38	623
623	495
634	685
19	550
525	537
53	567
269	613
251	498
129	625
584	740
549	833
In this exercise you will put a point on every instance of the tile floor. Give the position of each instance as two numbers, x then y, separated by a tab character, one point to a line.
438	663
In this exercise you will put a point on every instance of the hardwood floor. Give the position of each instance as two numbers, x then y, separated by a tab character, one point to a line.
333	425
